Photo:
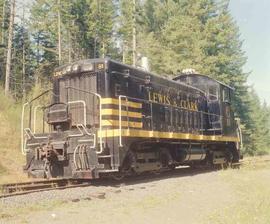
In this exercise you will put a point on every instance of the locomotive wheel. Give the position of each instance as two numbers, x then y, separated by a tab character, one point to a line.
229	159
172	166
166	158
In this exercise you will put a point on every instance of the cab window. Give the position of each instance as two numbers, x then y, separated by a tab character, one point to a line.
213	92
226	95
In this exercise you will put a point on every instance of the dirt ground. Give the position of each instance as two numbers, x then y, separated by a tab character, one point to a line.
186	197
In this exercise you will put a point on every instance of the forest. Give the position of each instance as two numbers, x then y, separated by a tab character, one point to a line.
38	36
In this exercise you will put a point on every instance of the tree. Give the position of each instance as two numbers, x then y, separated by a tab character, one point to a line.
4	21
128	21
101	23
257	128
202	35
22	62
174	35
9	46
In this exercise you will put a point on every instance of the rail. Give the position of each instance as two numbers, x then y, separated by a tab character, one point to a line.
239	133
29	103
120	97
120	118
100	115
22	188
23	143
35	116
82	129
84	108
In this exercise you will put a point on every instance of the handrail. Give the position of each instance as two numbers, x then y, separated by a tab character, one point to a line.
82	134
239	133
22	129
40	95
28	130
85	130
28	103
169	105
30	133
74	157
35	114
84	108
77	135
120	117
100	115
200	112
240	137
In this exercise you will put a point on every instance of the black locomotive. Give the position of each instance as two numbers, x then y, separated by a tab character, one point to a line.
108	118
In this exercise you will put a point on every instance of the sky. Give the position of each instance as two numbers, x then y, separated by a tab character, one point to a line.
253	19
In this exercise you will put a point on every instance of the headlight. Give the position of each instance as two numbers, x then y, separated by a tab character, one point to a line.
68	69
75	68
87	67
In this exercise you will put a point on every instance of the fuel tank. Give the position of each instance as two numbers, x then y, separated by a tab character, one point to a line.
190	153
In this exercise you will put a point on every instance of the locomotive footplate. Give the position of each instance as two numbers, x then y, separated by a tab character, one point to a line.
85	174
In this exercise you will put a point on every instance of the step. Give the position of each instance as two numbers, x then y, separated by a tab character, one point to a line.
108	171
105	156
86	140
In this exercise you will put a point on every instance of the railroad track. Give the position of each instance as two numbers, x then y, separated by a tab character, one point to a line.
20	188
13	189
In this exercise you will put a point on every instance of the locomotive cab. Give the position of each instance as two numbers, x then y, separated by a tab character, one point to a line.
220	115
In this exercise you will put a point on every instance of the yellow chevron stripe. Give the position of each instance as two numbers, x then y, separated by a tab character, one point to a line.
166	135
123	102
131	124
123	113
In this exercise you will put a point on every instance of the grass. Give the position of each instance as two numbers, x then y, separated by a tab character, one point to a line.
11	158
2	169
251	186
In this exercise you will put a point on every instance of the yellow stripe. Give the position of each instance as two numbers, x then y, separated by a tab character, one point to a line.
167	135
123	102
131	124
123	113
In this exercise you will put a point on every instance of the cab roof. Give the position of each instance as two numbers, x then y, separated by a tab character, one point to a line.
203	76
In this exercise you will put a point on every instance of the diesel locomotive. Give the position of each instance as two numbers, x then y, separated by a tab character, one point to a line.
106	118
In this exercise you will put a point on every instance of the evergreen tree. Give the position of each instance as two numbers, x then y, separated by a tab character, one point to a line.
202	35
43	26
23	68
130	18
101	23
257	128
4	21
125	29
